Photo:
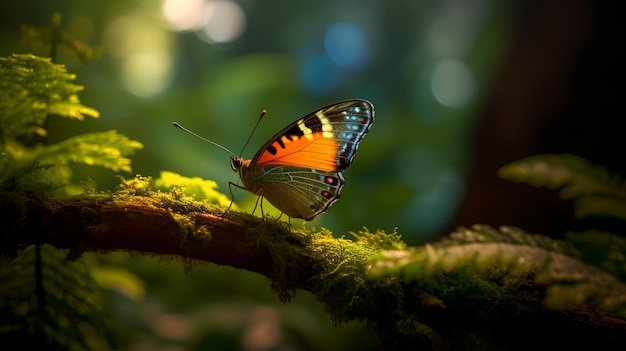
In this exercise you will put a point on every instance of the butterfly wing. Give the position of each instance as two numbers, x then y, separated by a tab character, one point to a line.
299	169
297	192
326	139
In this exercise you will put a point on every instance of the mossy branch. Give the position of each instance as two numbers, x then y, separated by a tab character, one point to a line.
98	224
442	311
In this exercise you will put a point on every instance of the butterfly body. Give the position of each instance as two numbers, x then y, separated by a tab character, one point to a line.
299	169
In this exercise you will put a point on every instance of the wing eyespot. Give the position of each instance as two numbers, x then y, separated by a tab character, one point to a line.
331	180
326	194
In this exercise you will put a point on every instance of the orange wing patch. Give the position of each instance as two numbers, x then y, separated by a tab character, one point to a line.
309	151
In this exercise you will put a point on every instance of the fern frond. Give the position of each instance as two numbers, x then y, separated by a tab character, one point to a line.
602	249
105	149
600	206
515	255
31	89
576	176
50	302
597	191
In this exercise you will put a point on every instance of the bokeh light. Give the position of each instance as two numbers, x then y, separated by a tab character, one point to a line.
319	75
225	21
144	51
347	45
452	83
430	68
146	74
214	21
184	15
346	49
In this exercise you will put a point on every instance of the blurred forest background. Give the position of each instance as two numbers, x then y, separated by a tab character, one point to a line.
460	89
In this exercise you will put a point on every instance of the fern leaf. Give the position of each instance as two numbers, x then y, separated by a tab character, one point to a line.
600	206
595	190
574	175
31	89
602	249
52	303
518	255
105	149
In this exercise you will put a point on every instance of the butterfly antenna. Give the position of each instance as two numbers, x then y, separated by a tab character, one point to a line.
263	112
201	138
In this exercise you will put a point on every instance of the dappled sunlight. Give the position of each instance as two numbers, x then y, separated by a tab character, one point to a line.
218	62
452	83
225	22
145	54
214	21
347	50
347	45
174	254
184	15
145	74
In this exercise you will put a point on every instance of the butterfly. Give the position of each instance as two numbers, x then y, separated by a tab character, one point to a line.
299	170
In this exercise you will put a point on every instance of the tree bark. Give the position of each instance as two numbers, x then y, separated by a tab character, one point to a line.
98	226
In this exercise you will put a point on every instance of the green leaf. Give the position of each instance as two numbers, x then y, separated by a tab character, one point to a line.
596	191
31	89
105	149
511	252
602	249
576	176
51	302
600	206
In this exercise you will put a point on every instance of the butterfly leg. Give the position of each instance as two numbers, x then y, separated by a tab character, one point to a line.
259	203
259	200
232	196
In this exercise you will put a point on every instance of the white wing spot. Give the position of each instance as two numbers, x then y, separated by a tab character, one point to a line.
327	128
308	133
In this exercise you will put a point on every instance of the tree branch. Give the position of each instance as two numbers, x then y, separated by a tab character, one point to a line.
333	269
93	225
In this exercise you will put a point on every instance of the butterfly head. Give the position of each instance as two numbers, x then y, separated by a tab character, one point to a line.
237	163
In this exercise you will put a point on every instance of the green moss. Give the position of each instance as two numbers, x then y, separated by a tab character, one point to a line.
140	190
343	283
286	248
201	189
379	239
